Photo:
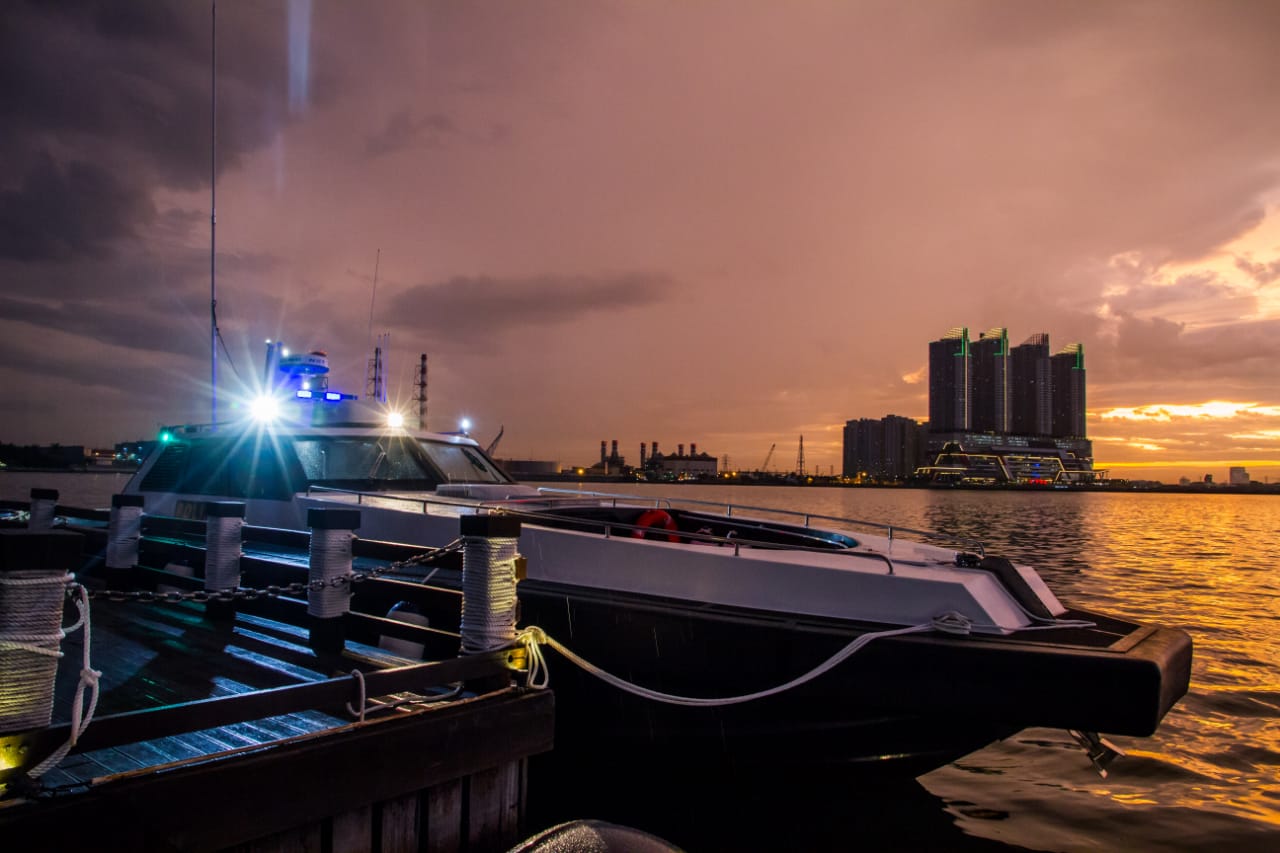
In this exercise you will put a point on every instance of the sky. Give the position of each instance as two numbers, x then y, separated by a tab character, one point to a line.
724	223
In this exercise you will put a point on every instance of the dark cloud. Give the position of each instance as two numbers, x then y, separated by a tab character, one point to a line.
461	308
107	102
61	212
145	332
1262	273
1179	364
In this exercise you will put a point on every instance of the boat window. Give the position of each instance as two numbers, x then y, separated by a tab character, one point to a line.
363	462
461	463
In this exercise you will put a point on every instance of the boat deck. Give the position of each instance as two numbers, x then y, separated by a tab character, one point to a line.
156	655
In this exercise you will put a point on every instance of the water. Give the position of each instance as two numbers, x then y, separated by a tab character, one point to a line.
1208	779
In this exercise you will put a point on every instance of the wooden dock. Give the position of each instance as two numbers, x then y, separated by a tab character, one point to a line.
229	727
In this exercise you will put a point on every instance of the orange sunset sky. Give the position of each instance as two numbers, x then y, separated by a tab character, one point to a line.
729	223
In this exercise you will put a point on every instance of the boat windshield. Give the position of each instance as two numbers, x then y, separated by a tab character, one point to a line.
392	462
462	464
366	462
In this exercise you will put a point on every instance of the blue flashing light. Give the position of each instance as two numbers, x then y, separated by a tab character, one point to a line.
332	396
304	395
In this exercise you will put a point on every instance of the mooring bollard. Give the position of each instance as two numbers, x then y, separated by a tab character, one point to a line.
124	531
331	536
34	573
43	503
489	587
223	539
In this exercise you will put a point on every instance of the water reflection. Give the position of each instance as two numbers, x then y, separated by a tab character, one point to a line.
1209	564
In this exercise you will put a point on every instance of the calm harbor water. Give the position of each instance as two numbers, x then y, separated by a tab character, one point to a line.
1209	779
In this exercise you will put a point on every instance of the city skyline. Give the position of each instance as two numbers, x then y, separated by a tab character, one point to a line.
729	223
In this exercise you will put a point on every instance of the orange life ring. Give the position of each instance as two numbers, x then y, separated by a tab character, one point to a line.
656	518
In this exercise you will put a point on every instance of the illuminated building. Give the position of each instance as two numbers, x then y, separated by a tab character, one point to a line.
1068	399
884	449
990	364
950	382
1030	387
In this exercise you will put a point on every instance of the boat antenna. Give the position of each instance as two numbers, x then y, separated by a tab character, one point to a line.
374	295
213	218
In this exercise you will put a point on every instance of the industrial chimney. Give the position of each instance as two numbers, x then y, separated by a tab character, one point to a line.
693	449
603	458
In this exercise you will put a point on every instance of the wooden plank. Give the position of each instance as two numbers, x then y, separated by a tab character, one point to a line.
323	775
302	839
117	729
494	807
444	817
400	824
352	831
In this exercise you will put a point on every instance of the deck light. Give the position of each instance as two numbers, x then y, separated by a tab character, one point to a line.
264	409
395	420
465	425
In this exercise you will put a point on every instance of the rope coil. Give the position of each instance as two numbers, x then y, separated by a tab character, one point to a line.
329	592
488	593
30	635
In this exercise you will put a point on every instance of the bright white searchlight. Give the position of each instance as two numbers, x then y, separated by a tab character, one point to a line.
264	409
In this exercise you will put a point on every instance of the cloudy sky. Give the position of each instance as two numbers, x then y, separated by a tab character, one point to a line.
729	223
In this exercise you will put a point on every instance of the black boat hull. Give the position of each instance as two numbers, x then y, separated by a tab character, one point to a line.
900	706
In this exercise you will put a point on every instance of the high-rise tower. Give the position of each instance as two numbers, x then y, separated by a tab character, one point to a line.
989	409
1030	387
1067	379
950	382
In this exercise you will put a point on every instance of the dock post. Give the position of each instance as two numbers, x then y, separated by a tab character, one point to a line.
223	528
124	530
35	569
43	503
489	588
331	535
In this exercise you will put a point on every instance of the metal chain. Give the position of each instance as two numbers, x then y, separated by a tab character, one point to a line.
274	590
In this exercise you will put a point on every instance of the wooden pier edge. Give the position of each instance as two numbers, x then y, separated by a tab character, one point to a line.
452	778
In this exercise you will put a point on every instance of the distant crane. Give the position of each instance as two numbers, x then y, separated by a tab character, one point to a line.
768	456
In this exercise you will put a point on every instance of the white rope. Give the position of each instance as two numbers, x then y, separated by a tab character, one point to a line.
359	715
330	559
488	594
31	605
950	623
89	679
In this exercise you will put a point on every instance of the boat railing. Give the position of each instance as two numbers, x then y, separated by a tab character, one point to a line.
607	527
888	530
610	528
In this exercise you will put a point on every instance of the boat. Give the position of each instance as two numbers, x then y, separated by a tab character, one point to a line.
696	635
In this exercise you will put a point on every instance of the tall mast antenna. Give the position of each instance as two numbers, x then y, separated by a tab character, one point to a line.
373	296
213	217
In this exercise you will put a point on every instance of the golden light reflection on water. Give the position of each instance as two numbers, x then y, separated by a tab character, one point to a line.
1206	563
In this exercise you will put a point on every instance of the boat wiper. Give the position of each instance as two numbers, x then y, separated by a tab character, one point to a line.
377	463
